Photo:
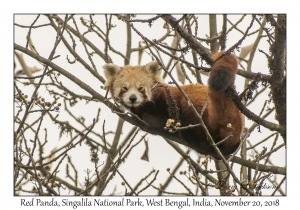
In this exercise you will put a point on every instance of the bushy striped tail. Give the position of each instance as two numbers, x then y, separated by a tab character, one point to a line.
223	72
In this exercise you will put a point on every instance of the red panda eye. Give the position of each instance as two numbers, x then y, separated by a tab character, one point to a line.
125	88
141	88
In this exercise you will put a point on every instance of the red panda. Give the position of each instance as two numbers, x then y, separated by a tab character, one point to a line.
132	86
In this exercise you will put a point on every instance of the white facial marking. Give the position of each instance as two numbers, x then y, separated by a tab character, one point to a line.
139	97
116	92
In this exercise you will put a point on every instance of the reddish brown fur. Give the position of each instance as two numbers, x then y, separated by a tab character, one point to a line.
219	113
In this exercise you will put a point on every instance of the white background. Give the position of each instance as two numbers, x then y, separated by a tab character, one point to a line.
133	7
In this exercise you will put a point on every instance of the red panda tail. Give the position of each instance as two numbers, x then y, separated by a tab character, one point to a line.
223	72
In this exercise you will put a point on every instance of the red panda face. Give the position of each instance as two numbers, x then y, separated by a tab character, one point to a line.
131	85
131	93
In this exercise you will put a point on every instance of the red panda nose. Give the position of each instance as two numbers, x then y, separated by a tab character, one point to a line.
132	98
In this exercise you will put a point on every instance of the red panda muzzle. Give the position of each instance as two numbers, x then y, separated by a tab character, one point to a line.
132	98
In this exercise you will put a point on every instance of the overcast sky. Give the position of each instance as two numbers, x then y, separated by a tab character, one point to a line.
156	157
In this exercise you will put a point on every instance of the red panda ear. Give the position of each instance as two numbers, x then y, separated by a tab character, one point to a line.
154	68
110	70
